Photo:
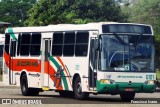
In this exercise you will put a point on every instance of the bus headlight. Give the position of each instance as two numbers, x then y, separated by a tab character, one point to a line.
107	81
149	82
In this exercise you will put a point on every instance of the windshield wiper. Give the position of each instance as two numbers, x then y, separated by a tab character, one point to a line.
120	39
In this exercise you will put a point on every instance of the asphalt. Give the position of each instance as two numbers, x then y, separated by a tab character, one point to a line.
3	85
116	104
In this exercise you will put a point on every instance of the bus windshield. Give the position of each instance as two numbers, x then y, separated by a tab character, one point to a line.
128	53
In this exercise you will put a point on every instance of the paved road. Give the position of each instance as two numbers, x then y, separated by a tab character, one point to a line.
54	98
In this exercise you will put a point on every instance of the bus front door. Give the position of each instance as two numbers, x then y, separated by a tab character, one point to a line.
93	64
46	45
12	77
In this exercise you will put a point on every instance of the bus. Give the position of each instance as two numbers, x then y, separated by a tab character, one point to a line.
1	51
76	60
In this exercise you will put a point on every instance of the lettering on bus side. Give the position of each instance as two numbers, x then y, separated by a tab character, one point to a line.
27	63
149	77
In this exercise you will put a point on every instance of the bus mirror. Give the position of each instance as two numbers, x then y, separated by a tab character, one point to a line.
100	44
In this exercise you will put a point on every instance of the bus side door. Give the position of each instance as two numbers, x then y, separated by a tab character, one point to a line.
45	72
12	77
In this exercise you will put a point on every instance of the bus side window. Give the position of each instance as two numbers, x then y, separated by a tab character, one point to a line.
57	44
7	42
25	44
35	44
81	48
69	42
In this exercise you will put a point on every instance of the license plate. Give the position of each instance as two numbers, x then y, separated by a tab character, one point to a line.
128	89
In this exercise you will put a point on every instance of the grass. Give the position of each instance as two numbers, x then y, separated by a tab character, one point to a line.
158	75
0	78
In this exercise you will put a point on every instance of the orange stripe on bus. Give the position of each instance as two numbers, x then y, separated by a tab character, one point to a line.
33	65
59	59
56	80
6	58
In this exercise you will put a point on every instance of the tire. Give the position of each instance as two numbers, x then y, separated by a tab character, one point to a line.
66	94
77	89
24	87
127	96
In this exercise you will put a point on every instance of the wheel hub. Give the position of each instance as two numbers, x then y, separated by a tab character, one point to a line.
79	89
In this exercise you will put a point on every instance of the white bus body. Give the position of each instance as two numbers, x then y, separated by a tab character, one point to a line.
1	50
112	58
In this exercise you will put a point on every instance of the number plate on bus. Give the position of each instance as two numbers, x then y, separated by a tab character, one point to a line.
128	89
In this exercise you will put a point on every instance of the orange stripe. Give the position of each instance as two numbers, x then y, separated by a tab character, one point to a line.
6	58
31	65
59	59
20	64
52	73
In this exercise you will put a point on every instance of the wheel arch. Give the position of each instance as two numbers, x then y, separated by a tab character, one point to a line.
22	73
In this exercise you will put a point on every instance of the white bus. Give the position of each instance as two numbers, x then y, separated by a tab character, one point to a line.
77	60
1	50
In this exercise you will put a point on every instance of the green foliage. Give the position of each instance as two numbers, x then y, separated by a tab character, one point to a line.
147	12
46	12
158	75
14	11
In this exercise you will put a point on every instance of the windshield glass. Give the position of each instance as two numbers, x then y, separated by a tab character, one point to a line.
127	53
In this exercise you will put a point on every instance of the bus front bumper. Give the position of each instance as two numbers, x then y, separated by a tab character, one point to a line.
118	87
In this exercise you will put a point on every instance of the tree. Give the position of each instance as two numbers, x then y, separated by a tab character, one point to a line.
147	12
14	11
46	12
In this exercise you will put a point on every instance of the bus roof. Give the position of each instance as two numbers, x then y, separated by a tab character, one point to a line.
62	27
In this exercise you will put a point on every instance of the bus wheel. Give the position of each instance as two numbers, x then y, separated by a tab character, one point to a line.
24	87
127	96
78	90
